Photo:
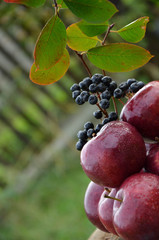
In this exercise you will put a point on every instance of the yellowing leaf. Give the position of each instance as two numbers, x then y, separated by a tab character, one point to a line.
51	44
29	3
45	77
77	40
91	29
135	31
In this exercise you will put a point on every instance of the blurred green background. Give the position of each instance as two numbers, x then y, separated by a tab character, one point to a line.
42	184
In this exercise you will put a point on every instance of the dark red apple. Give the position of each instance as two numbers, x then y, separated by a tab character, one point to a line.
117	152
91	200
142	110
137	217
152	159
105	210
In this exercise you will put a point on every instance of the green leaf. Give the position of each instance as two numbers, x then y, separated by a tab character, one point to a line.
45	77
94	11
77	40
91	29
119	57
50	44
29	3
61	3
135	31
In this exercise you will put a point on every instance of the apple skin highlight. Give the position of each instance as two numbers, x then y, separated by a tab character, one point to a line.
142	110
137	217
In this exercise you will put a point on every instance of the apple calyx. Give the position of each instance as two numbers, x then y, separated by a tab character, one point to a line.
107	189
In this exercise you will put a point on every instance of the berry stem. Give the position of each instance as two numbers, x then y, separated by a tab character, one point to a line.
117	199
102	110
107	33
115	106
121	101
84	63
56	8
104	73
98	95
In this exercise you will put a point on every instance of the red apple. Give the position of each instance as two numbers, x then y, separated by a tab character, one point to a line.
152	159
142	110
137	217
117	152
105	210
91	200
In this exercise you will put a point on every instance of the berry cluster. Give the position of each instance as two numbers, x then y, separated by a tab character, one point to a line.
123	195
90	131
99	90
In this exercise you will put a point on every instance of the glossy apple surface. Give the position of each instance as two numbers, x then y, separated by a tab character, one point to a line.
105	210
91	200
142	110
115	153
152	159
137	217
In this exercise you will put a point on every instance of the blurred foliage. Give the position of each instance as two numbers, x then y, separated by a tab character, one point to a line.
32	117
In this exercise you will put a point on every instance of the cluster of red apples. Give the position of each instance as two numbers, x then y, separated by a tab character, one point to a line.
123	195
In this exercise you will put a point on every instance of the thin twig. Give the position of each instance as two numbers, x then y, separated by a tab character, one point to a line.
107	33
84	63
56	8
104	40
102	110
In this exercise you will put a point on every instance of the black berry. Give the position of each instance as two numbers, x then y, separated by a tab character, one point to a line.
98	114
140	84
96	78
83	85
118	93
106	95
75	87
79	100
75	94
88	125
80	144
104	103
98	127
106	80
105	121
92	99
134	87
113	116
130	81
90	132
123	86
112	86
101	87
82	134
85	95
93	88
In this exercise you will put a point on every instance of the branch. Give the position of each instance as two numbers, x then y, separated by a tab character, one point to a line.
107	33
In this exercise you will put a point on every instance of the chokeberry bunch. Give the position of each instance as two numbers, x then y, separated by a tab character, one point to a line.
100	90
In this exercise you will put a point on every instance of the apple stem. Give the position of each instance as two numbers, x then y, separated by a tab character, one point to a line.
117	199
107	189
